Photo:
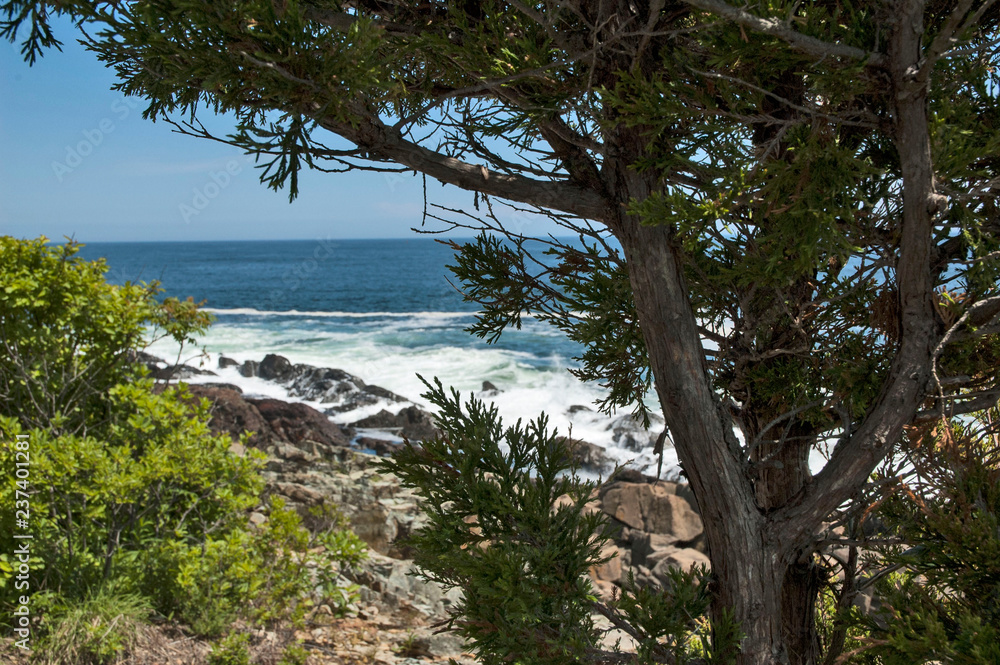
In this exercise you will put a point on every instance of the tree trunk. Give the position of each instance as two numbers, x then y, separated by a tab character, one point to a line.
758	581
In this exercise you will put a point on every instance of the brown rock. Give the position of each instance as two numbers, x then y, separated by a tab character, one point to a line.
649	548
297	423
610	570
685	559
233	415
654	508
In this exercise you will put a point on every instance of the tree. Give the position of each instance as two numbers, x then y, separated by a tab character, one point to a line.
788	209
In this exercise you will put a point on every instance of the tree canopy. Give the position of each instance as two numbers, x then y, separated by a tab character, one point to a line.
789	210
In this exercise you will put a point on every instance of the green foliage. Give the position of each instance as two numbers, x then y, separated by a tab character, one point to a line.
156	476
494	533
67	334
233	649
582	291
97	630
294	654
260	576
134	505
943	604
508	527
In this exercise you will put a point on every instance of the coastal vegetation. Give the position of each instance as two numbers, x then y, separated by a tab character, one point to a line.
132	510
791	235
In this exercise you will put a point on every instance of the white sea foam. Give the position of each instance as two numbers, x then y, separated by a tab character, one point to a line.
528	385
249	311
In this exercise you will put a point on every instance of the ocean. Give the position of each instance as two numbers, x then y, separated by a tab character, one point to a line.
383	310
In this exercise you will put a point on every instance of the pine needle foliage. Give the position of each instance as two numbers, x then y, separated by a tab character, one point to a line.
496	532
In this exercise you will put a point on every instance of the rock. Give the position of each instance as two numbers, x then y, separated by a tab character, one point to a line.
649	548
590	457
489	387
654	508
577	408
611	570
178	372
381	447
275	368
225	362
392	582
233	415
323	384
627	432
249	368
411	423
223	386
685	559
379	391
300	424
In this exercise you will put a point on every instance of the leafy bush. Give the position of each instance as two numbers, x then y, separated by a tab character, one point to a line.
234	649
133	502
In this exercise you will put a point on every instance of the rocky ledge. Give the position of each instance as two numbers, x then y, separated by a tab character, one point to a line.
314	462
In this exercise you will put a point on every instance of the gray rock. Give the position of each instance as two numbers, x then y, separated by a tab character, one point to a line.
411	423
225	362
684	559
627	432
275	368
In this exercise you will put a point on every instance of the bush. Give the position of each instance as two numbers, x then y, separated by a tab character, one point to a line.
95	631
500	530
133	503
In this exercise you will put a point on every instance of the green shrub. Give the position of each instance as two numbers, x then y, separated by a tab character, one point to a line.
265	575
128	489
97	630
499	531
234	649
943	602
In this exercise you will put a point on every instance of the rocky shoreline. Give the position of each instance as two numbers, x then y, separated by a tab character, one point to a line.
314	462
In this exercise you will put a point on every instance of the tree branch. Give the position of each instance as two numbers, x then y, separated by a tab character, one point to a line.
384	143
857	455
781	30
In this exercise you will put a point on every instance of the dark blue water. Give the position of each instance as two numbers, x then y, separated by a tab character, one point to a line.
397	275
303	294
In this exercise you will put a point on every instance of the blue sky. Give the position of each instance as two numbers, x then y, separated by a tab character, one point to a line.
79	161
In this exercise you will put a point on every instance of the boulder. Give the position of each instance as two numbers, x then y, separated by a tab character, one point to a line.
685	559
233	415
590	457
225	362
411	423
649	548
393	583
178	372
627	432
381	447
224	386
489	387
249	368
275	368
300	424
323	384
610	570
654	508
